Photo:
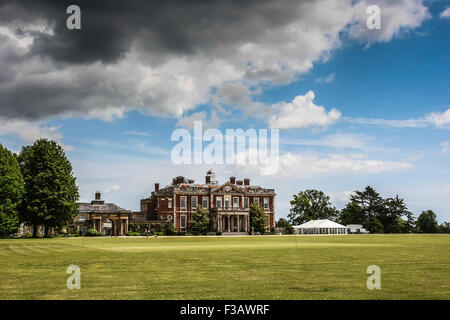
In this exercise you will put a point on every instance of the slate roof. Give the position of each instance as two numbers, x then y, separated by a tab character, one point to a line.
103	208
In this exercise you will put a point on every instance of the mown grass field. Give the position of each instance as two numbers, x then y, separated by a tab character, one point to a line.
262	267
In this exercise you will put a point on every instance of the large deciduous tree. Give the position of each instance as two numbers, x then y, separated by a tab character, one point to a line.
352	214
51	194
410	223
311	205
426	222
200	221
257	218
444	227
284	224
391	215
11	191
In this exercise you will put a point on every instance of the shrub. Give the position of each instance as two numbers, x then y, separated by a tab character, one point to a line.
92	233
28	235
169	229
132	234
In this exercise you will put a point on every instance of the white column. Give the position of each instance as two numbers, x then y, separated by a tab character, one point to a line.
175	211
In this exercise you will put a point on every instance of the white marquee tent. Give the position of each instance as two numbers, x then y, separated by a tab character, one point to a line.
324	226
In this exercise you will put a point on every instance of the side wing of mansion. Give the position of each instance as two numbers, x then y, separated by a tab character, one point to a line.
228	204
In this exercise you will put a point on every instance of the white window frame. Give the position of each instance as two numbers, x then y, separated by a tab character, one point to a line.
227	198
256	200
246	203
207	202
183	217
196	202
185	203
266	203
235	205
170	203
219	199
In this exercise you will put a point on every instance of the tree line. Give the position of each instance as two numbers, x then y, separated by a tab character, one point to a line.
367	208
37	187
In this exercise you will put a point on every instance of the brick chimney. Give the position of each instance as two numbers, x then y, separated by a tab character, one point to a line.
174	181
233	180
207	179
239	182
246	182
180	179
98	195
156	186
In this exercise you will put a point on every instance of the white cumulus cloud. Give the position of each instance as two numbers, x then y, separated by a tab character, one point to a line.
445	14
28	131
302	113
304	165
439	119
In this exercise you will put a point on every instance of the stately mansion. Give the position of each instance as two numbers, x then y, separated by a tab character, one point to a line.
228	204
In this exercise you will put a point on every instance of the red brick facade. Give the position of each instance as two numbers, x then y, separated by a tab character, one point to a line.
228	203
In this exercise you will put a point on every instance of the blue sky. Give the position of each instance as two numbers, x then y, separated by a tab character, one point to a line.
392	91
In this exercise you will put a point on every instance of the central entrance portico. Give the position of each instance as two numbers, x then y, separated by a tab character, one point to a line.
231	222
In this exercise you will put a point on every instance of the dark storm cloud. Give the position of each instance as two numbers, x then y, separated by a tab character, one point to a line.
159	27
56	70
164	57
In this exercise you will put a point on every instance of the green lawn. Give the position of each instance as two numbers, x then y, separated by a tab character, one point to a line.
262	267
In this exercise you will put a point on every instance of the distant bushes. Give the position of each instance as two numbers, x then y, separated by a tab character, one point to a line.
94	233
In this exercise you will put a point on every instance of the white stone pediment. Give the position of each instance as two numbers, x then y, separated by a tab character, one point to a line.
228	187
